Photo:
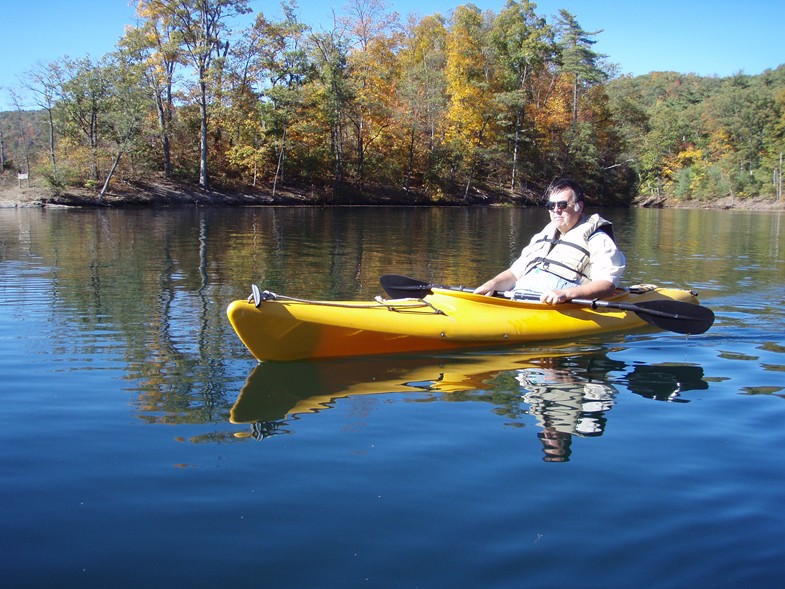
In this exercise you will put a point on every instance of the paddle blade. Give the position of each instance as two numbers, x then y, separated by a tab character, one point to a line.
402	287
676	316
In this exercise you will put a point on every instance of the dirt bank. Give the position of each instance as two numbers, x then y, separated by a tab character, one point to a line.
152	194
160	192
163	193
725	202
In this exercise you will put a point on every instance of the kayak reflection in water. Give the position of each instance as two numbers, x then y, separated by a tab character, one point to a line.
564	405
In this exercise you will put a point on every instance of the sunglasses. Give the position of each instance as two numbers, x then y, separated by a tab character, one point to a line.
562	204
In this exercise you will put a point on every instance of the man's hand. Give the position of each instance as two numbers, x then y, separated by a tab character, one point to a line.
504	281
554	297
486	289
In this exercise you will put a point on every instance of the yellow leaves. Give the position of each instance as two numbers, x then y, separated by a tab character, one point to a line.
469	85
428	39
377	72
689	156
720	143
246	157
670	165
551	110
150	9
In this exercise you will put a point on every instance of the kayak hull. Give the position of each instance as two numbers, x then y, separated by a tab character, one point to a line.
283	329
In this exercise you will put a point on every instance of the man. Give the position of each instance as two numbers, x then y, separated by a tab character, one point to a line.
573	257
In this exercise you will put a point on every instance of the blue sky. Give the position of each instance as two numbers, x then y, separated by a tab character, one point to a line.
705	37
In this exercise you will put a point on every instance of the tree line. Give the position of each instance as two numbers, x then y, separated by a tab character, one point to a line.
474	105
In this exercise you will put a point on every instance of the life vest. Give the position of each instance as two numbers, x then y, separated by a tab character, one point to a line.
567	255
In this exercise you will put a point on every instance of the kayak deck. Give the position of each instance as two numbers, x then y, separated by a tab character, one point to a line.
284	329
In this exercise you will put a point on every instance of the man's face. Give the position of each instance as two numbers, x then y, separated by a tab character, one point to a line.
565	212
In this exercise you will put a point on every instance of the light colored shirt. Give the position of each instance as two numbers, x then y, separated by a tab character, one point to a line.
606	262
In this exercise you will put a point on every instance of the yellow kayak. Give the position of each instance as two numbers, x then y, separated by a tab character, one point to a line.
282	328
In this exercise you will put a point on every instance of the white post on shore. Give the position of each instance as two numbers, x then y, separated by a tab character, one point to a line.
21	177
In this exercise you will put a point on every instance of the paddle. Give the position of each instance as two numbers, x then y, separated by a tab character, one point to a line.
676	316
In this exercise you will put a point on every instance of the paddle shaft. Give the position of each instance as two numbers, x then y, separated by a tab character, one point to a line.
627	307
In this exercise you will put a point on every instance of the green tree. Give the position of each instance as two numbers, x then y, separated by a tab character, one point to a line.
373	73
744	111
774	144
284	68
155	43
44	82
583	147
83	96
127	105
471	90
421	96
578	60
332	94
524	47
200	26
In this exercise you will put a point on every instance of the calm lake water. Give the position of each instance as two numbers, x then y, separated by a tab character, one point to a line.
142	446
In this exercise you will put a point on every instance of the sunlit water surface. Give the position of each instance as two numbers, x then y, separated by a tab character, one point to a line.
142	446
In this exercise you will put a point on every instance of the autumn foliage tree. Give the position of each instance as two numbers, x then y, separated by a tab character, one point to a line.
471	105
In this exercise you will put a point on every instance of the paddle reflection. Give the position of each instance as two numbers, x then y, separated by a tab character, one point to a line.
567	391
665	382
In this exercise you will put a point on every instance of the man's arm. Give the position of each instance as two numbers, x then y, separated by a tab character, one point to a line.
503	281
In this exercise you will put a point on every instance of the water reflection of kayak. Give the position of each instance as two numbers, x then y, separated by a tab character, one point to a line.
276	391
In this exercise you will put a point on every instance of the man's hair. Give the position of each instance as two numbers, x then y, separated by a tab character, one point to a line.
565	184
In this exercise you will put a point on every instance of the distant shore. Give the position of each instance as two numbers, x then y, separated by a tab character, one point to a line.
164	194
161	193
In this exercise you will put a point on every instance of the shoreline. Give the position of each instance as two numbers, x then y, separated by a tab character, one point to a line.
165	194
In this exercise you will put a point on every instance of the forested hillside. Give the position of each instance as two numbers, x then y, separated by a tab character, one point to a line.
476	106
703	138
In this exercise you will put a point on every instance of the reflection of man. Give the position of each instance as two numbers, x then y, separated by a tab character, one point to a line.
564	405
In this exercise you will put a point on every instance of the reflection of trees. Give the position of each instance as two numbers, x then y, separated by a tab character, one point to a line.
154	285
671	247
135	284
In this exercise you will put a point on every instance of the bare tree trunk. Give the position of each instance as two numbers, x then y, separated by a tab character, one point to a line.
22	133
164	131
515	153
360	149
203	182
52	156
111	173
93	139
575	102
411	160
2	153
279	167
